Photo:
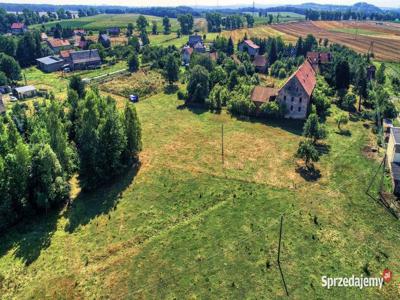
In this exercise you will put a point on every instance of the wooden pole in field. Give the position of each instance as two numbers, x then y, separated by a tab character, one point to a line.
279	257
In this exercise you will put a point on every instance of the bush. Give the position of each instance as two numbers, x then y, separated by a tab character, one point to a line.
181	95
271	110
348	102
241	106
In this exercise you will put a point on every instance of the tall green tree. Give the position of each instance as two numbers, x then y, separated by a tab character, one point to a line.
76	84
198	86
380	74
231	47
171	69
166	25
133	62
313	129
308	153
133	134
142	23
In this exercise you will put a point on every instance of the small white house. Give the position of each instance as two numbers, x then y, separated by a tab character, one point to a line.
23	92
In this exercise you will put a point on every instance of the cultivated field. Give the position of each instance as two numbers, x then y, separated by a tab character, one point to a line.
104	21
385	38
185	226
258	31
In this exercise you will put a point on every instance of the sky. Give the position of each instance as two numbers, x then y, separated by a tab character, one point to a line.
380	3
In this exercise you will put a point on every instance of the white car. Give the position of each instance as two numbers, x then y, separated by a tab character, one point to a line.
13	99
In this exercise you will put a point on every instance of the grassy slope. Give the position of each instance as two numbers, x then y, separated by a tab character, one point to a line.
104	21
185	227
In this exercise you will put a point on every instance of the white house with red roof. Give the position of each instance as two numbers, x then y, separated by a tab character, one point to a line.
250	47
297	91
18	28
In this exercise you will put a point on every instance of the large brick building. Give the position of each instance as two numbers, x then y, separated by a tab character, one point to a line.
297	91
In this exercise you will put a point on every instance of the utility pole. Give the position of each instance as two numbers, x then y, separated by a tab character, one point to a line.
222	144
279	257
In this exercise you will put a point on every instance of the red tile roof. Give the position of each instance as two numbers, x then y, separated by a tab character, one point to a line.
17	25
58	43
251	44
263	94
305	74
188	50
65	53
319	57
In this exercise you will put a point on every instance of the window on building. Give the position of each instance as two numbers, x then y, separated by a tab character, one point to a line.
284	97
292	99
299	108
291	108
300	99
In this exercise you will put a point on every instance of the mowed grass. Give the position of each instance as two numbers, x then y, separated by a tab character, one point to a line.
104	21
185	226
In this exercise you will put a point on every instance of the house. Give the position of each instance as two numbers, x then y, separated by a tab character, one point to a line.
23	92
104	40
296	93
113	31
58	45
50	64
250	47
186	54
79	32
371	70
66	54
43	37
393	158
2	106
318	58
260	63
85	59
262	94
199	48
194	39
18	28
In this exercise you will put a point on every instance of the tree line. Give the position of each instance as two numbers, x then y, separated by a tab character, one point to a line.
41	150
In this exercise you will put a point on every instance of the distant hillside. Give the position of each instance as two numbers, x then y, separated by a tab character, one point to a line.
357	7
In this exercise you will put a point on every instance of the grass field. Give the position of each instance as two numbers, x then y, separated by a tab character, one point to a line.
104	21
183	226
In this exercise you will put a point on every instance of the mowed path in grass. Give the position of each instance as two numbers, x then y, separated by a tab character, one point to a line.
182	226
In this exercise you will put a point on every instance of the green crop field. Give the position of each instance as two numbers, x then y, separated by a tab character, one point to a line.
183	225
283	18
104	21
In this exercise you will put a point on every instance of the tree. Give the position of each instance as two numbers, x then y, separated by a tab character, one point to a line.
348	102
133	133
171	69
233	80
249	20
28	49
341	119
129	30
230	48
154	29
186	23
380	74
307	152
144	38
342	75
299	47
309	43
133	62
48	185
3	79
361	84
313	129
10	67
7	45
166	25
142	23
76	84
198	86
272	55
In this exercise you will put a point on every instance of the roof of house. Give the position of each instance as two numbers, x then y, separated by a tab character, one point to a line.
305	74
49	60
65	53
85	56
17	25
251	44
396	134
260	61
195	39
319	57
55	43
2	106
263	94
199	45
24	89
